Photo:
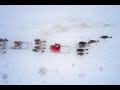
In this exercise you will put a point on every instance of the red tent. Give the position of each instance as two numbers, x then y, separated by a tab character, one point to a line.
55	48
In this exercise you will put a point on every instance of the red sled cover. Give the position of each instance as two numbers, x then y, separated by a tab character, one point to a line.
55	48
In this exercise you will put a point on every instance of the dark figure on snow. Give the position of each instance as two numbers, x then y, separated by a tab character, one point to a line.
82	44
81	50
93	41
104	37
37	41
81	53
37	47
3	40
36	50
44	41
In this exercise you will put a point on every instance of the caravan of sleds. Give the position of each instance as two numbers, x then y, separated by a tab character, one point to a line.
40	46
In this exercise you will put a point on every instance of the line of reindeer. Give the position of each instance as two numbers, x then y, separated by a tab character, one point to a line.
82	46
41	45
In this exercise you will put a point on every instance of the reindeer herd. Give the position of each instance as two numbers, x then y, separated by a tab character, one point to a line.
40	45
82	47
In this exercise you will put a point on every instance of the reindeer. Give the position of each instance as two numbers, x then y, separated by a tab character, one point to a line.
104	37
37	41
44	41
82	53
82	44
37	47
81	50
93	41
36	50
3	41
40	45
2	49
2	45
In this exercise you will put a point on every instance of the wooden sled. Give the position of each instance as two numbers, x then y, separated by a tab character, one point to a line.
19	45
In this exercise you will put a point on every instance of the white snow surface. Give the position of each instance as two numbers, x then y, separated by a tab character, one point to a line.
66	25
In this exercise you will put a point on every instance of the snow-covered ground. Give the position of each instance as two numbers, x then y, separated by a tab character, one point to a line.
65	25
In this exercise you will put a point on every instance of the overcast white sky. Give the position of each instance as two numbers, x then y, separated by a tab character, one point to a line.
18	13
26	17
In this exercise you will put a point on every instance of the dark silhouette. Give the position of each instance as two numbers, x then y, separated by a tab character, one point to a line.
35	50
93	41
43	51
82	44
37	41
81	50
3	39
81	54
37	47
104	37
